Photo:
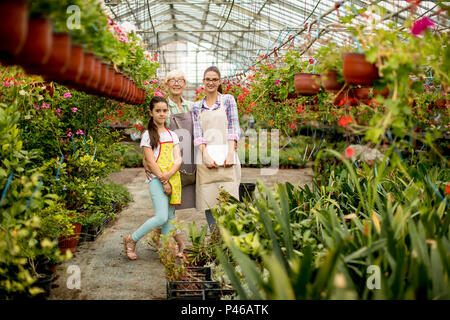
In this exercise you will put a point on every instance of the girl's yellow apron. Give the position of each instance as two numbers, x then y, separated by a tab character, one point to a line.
165	163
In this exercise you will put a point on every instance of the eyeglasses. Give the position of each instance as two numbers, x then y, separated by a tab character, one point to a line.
215	80
173	81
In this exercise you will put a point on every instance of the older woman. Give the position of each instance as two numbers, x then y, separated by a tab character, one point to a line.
176	83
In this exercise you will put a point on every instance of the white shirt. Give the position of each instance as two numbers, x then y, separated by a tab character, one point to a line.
163	137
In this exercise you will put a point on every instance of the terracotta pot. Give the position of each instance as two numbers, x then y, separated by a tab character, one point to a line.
357	71
75	67
110	82
38	46
59	57
70	242
361	94
117	85
103	78
126	89
88	70
307	84
13	28
330	82
93	82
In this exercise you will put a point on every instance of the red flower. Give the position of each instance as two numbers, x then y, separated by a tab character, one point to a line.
447	188
345	120
349	152
300	108
311	60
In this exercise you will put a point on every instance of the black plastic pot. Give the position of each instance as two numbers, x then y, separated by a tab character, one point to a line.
44	282
93	232
246	190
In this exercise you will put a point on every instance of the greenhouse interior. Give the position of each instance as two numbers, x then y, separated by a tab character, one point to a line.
224	150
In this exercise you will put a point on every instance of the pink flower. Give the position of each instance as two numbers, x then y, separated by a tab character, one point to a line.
155	81
6	84
67	95
277	82
74	110
58	110
45	106
146	82
69	134
37	107
80	132
158	94
421	25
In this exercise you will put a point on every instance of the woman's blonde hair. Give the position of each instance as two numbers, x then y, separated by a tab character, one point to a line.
175	74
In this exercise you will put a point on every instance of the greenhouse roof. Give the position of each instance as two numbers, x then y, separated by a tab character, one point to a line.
238	31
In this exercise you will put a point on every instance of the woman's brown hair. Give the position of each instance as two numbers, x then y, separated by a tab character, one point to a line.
216	70
151	126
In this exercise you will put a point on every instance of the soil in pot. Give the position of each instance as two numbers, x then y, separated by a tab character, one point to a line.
307	84
357	70
13	28
38	46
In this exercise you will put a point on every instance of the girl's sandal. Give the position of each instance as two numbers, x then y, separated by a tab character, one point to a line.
130	245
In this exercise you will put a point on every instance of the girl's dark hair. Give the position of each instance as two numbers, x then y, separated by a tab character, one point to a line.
216	70
151	126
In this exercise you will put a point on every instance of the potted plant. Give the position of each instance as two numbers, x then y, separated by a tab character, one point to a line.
330	60
13	27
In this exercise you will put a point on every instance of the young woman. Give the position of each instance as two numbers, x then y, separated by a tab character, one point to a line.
163	157
216	127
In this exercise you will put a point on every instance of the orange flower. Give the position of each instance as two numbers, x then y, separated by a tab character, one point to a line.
447	188
345	120
290	159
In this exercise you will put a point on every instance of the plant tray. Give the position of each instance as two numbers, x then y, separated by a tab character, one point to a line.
196	290
203	273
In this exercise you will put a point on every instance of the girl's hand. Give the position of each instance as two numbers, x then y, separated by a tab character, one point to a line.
167	188
165	176
229	160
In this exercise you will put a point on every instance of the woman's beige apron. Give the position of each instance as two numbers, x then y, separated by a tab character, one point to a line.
211	123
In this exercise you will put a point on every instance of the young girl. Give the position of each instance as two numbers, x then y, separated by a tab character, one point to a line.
163	157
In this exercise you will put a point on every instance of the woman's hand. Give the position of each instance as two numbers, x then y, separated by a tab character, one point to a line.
208	161
167	188
229	160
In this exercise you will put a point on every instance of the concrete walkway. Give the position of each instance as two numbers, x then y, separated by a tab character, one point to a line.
105	271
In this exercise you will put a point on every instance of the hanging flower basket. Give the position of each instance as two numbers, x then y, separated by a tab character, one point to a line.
117	85
330	81
307	84
59	57
88	71
38	46
93	82
357	70
75	67
13	28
